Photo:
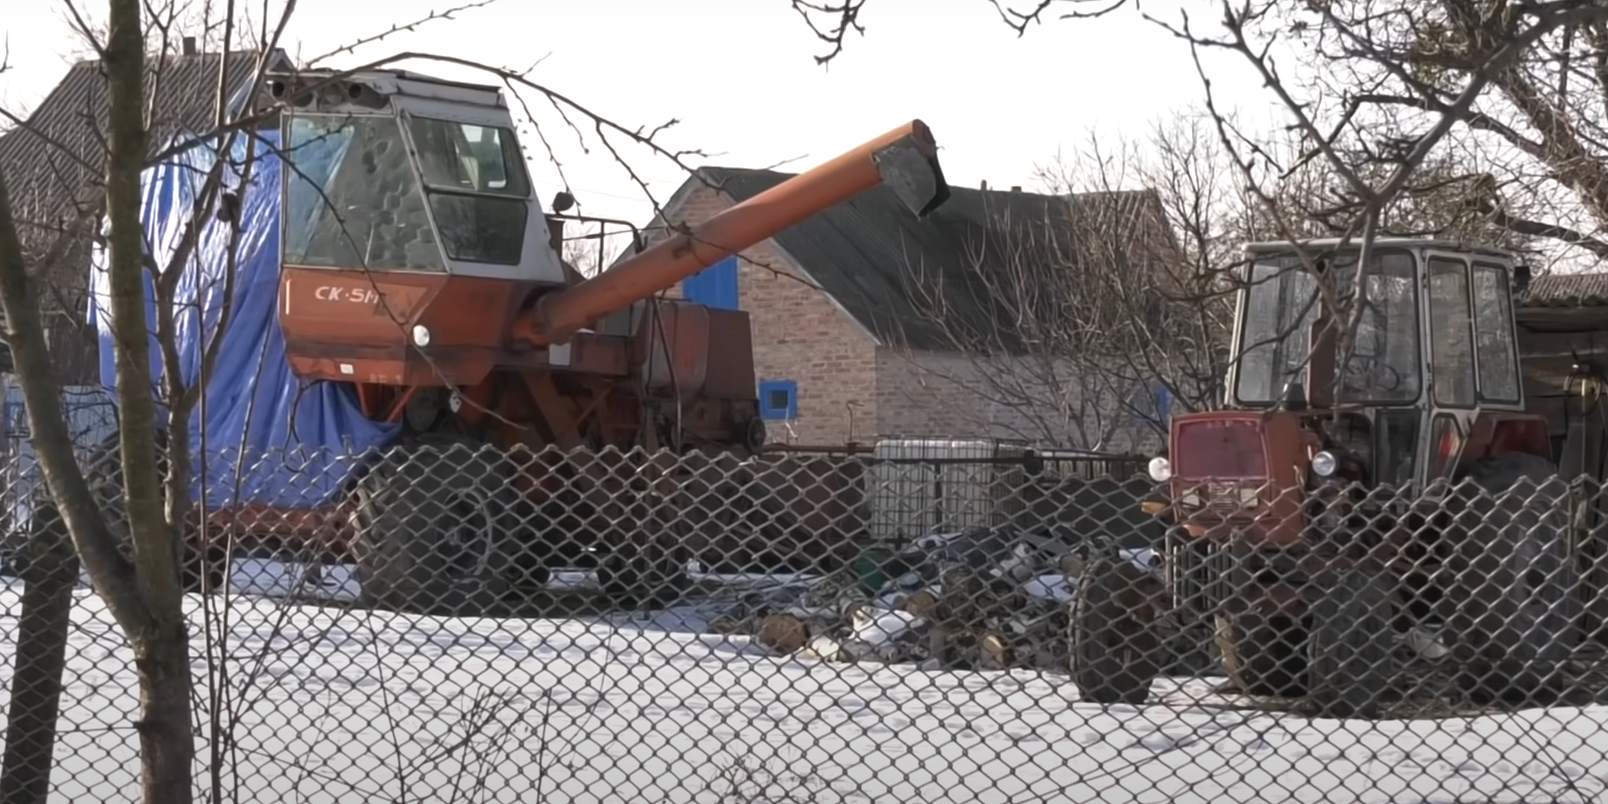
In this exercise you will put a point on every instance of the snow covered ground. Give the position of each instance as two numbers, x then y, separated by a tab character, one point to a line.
333	704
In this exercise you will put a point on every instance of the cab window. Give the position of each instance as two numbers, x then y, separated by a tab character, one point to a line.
1451	333
1493	328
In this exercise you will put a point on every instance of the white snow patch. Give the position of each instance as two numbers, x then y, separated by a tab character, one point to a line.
332	704
269	578
1050	587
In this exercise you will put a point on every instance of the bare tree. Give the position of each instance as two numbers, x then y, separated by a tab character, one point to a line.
131	541
1119	298
1433	116
131	537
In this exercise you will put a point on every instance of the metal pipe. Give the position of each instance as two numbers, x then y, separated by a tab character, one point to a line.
906	159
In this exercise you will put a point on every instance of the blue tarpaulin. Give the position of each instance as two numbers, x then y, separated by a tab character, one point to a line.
268	437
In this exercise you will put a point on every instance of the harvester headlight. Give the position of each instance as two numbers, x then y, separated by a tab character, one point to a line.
1324	463
1160	469
421	336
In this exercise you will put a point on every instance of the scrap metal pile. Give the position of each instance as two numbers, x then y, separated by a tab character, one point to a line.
985	599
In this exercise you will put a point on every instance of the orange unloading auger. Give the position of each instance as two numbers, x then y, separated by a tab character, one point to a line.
905	159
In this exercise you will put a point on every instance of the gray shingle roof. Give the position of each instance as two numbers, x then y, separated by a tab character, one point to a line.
58	154
912	281
54	163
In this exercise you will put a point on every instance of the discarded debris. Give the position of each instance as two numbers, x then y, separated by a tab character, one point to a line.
992	598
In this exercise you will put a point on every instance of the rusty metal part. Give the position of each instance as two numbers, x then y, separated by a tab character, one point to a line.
905	159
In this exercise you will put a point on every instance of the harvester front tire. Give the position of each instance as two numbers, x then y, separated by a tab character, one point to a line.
1350	652
433	535
1115	652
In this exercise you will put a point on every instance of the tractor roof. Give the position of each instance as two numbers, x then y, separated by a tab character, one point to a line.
1327	243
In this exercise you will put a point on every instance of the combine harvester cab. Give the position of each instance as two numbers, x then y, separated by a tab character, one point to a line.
403	323
1348	510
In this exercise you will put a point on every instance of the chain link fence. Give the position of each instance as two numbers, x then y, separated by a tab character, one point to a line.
449	623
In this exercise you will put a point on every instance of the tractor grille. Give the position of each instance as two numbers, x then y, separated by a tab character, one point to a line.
1219	448
1197	573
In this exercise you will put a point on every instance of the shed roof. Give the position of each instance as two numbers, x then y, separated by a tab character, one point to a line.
1567	290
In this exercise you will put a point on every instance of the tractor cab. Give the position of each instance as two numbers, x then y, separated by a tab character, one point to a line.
1397	379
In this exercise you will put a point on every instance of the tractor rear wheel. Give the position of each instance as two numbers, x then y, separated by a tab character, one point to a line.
1517	586
1115	650
1349	647
432	529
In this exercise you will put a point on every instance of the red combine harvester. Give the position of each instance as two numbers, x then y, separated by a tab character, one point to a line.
420	274
1344	520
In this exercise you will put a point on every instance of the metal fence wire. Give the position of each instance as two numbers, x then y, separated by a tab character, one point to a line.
449	623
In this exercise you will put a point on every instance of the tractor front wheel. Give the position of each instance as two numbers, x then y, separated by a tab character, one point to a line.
1350	654
1115	650
1264	654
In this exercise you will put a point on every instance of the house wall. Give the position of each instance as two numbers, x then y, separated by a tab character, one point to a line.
800	335
948	394
851	389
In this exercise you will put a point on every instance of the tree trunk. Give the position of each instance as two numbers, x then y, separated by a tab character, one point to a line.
41	660
144	598
160	641
167	741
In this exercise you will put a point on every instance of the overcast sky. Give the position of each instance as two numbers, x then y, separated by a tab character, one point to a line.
740	76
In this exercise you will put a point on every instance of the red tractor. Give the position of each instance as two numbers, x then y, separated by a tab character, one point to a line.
1367	503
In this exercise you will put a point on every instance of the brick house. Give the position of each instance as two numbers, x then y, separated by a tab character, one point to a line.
855	315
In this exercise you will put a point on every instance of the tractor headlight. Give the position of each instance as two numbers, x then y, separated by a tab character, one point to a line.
1324	464
1160	469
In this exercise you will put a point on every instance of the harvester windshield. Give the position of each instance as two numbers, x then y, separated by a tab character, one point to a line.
475	178
355	199
1282	300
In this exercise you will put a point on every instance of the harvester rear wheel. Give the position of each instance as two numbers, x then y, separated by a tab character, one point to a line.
1115	653
636	575
433	534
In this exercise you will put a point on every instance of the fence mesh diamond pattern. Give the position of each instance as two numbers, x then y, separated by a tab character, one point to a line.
451	623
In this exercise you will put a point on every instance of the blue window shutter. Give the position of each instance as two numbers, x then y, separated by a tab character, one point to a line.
1160	414
778	400
715	286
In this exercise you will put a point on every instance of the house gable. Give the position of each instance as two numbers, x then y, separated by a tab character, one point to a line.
806	346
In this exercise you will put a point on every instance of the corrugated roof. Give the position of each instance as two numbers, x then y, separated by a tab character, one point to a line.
1567	290
913	281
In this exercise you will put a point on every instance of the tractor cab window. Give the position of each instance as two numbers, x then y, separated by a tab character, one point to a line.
351	198
1450	320
1398	446
1494	334
1281	302
475	176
